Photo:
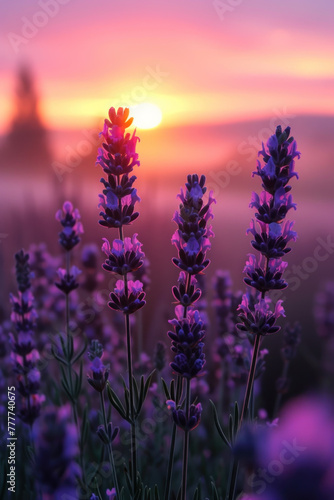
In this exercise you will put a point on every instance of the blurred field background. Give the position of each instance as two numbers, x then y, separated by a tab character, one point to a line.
223	77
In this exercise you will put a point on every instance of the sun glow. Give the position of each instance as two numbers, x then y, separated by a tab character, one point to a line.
146	115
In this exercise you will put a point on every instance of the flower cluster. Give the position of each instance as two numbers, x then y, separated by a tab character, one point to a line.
180	418
187	344
67	280
271	233
192	242
68	239
99	372
192	236
22	341
72	227
118	157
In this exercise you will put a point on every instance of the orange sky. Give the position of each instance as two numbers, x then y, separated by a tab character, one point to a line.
197	65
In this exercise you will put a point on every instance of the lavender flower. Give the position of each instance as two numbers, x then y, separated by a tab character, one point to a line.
274	233
118	157
271	239
99	376
187	344
72	227
192	237
262	320
124	256
127	300
24	354
180	418
67	280
192	240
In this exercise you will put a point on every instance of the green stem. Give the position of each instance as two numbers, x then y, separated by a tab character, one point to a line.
172	443
110	452
251	376
250	382
170	462
186	446
69	342
131	390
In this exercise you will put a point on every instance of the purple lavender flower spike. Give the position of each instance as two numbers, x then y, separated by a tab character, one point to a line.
265	274
99	376
278	168
273	233
192	236
24	354
187	345
192	240
118	157
72	227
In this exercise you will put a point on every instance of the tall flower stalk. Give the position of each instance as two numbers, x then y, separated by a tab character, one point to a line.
69	237
98	380
118	157
192	240
271	236
24	353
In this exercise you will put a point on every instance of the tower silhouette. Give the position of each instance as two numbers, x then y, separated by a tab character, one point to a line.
26	145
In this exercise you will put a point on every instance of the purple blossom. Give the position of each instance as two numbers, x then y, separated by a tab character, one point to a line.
272	240
123	256
72	227
24	354
278	166
187	344
184	295
262	320
192	236
272	208
270	279
304	440
111	494
118	157
180	418
99	374
67	281
130	300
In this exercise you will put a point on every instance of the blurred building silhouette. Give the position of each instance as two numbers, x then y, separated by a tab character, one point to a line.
26	148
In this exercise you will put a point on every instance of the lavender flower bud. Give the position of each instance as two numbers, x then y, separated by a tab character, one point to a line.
72	228
180	418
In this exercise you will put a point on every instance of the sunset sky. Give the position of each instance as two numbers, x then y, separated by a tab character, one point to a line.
196	62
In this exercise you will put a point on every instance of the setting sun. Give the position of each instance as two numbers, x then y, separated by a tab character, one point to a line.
146	115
